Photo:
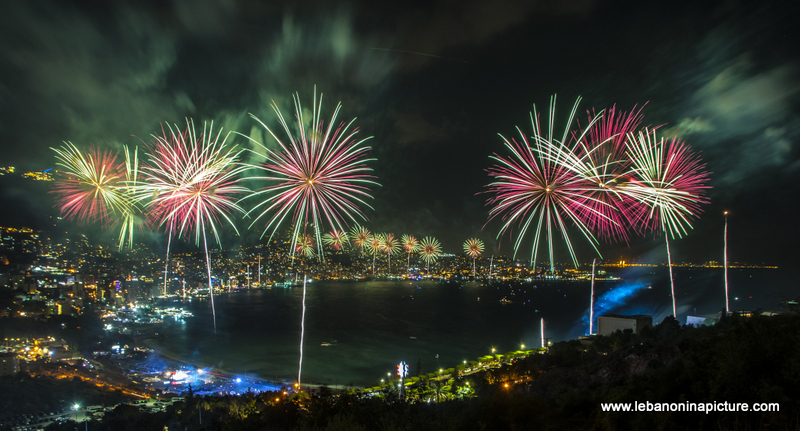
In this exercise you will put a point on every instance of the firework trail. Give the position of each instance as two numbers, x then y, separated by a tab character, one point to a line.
410	245
335	239
473	247
302	331
168	154
725	262
543	339
390	246
132	216
320	175
591	300
671	180
535	187
192	183
430	249
375	245
361	237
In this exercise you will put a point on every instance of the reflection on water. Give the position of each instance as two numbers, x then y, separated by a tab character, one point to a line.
357	331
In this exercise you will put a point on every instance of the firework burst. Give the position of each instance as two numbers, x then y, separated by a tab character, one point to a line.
534	187
430	248
192	183
92	187
601	158
132	216
410	245
375	245
335	239
320	175
305	245
361	237
168	157
390	246
97	188
670	179
473	247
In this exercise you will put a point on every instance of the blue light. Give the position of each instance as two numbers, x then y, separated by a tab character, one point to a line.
613	299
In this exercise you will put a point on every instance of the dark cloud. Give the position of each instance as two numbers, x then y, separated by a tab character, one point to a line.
83	79
449	26
410	128
740	112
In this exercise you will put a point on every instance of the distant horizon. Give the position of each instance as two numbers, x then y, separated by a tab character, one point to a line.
108	242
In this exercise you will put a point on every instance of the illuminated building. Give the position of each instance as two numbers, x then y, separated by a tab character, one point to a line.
9	364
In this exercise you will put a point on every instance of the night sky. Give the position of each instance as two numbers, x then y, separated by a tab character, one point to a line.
721	75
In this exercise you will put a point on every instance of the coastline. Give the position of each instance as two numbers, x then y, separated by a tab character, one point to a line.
375	322
175	361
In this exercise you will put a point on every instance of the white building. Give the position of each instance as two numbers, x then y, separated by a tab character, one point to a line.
607	324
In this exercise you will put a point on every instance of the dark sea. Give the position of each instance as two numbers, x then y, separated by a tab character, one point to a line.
357	331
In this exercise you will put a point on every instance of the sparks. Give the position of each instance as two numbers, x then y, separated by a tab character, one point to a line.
410	245
430	249
534	186
192	182
473	247
320	175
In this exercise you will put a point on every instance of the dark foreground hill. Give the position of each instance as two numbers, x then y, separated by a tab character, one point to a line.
739	360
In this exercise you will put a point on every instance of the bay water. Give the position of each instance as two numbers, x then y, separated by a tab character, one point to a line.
357	331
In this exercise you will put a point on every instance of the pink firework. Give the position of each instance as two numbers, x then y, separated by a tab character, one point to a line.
601	157
192	183
535	187
670	179
667	177
318	176
91	184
